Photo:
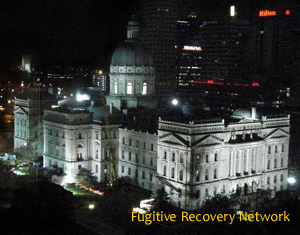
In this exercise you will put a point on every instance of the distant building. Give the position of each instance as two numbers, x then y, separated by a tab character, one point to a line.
26	63
100	80
159	38
59	76
214	50
28	115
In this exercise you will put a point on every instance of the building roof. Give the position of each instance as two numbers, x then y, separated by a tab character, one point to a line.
131	53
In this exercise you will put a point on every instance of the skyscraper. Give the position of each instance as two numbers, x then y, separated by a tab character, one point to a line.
159	38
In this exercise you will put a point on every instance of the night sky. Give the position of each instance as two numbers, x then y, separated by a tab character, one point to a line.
82	32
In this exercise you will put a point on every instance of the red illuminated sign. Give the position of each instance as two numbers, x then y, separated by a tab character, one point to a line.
267	13
191	48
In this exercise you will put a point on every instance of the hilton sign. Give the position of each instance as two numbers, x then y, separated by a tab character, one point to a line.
267	13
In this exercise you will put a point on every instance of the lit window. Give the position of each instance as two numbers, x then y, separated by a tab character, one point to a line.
116	88
129	88
144	92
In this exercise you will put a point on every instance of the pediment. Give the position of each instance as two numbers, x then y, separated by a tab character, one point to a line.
173	139
21	111
208	140
278	133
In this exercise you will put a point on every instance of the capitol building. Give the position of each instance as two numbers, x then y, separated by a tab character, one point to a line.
193	156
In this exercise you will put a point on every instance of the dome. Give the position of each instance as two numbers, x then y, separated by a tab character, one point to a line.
131	54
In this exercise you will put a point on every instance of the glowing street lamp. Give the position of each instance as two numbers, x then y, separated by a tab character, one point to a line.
91	206
291	180
175	102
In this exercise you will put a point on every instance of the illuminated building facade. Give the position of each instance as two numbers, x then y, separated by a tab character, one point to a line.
198	160
28	116
192	157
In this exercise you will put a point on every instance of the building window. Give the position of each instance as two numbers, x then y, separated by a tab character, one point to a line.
198	159
144	91
216	157
269	164
198	194
206	174
198	176
172	173
282	148
150	177
275	179
123	155
123	140
206	192
116	88
268	180
281	162
129	156
144	159
151	161
143	175
97	154
206	158
269	149
275	163
137	158
129	88
129	171
173	157
181	175
122	169
276	149
215	173
164	170
97	135
152	147
80	136
106	153
281	178
181	158
165	155
96	168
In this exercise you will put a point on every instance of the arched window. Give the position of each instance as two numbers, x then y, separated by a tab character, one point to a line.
129	88
144	91
181	175
172	173
164	170
79	152
116	88
198	176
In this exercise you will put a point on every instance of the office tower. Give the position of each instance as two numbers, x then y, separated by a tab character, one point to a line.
159	38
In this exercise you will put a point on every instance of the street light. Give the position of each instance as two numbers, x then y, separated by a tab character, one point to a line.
91	206
291	180
175	102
